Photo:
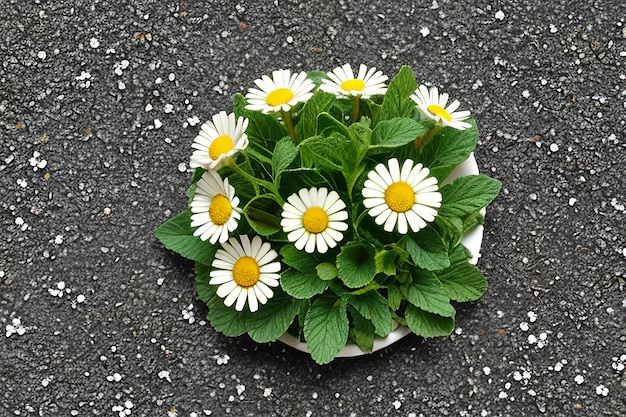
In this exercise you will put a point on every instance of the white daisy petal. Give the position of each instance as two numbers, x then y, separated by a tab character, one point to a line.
318	222
280	92
243	269
435	106
343	83
409	197
217	139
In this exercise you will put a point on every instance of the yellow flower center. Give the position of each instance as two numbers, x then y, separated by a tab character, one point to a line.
220	145
246	272
353	85
400	196
220	209
279	96
437	110
315	220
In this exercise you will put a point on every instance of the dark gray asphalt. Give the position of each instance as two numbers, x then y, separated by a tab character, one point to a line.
99	103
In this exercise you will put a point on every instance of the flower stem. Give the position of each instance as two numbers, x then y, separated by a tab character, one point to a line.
356	101
423	140
289	123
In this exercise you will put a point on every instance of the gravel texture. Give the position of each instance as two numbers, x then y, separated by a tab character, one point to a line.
99	103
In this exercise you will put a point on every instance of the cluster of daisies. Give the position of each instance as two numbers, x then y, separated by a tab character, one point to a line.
399	195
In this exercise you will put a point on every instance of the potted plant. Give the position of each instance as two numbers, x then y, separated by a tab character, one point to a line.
322	207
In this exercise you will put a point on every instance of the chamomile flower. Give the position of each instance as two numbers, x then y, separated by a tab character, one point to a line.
217	139
313	219
215	208
280	92
366	83
244	272
401	197
435	106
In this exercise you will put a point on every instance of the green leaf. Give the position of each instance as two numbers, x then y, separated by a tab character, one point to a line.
326	152
389	258
450	230
355	264
447	149
302	285
284	154
307	125
297	259
316	77
427	293
397	101
204	290
176	234
463	282
262	127
292	180
427	324
393	133
326	271
226	320
362	331
259	211
273	319
373	307
326	328
394	297
426	249
467	195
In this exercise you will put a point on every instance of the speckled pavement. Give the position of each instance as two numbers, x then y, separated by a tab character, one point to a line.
99	103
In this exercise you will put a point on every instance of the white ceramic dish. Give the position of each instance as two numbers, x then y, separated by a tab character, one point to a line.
471	241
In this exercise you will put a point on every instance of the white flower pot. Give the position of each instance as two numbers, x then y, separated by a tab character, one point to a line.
471	241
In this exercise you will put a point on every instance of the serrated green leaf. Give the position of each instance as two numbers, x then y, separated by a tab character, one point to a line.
394	133
302	285
463	282
362	331
326	328
427	250
394	297
176	234
467	195
226	320
397	101
273	319
355	264
297	259
326	271
324	152
375	308
307	124
447	149
427	324
259	211
284	154
388	259
427	293
204	290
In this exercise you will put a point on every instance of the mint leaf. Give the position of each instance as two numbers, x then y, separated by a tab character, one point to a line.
273	319
373	307
302	285
324	152
355	264
427	293
467	195
394	297
389	258
397	101
326	328
427	324
426	249
284	154
393	133
463	282
176	234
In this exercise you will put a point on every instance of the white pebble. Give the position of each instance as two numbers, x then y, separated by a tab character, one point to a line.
499	15
157	124
572	201
41	54
579	379
94	43
424	31
487	370
554	147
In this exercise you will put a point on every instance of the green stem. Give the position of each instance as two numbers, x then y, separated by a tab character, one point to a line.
256	182
423	140
356	101
289	123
